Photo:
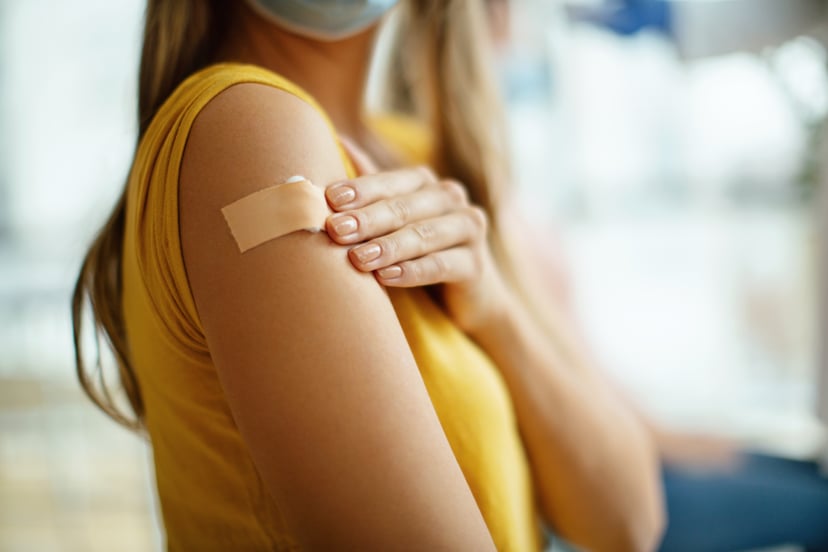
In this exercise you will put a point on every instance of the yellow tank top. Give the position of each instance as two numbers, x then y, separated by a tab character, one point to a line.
210	493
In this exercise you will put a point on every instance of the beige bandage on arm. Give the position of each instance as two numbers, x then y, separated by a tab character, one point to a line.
275	211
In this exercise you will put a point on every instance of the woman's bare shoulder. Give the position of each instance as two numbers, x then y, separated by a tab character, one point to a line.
253	135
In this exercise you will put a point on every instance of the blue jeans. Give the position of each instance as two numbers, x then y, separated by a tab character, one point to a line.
766	502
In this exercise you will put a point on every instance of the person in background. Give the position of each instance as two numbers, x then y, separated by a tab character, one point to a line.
422	401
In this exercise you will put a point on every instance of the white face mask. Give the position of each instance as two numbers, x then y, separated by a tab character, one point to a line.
327	20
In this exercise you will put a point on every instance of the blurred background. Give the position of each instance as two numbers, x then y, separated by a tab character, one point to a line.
670	153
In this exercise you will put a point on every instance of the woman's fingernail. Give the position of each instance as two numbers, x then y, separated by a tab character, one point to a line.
342	195
390	272
344	225
367	253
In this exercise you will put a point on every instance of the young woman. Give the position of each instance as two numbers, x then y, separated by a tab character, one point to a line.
293	402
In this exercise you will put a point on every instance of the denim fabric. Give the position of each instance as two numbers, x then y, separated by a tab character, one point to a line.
766	501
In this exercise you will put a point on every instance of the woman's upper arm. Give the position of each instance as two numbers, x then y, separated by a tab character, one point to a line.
316	369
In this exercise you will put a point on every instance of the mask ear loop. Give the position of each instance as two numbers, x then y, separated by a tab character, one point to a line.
276	211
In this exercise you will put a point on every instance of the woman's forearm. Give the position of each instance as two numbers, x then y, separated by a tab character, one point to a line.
595	467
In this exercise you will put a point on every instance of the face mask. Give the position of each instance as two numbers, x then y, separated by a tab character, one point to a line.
327	20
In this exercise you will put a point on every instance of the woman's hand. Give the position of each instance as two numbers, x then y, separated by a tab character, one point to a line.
410	229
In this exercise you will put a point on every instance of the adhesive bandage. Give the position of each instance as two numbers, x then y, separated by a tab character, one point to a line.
275	211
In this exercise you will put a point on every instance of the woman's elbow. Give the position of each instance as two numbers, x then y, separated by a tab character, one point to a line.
634	524
643	522
636	528
642	528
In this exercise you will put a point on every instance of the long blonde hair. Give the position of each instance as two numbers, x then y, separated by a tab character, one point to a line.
448	85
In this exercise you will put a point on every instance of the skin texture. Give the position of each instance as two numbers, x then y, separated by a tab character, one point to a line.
316	369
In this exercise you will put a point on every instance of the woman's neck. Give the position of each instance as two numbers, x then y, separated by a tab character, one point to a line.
334	73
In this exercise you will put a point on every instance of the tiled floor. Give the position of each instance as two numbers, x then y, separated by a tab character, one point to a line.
69	478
